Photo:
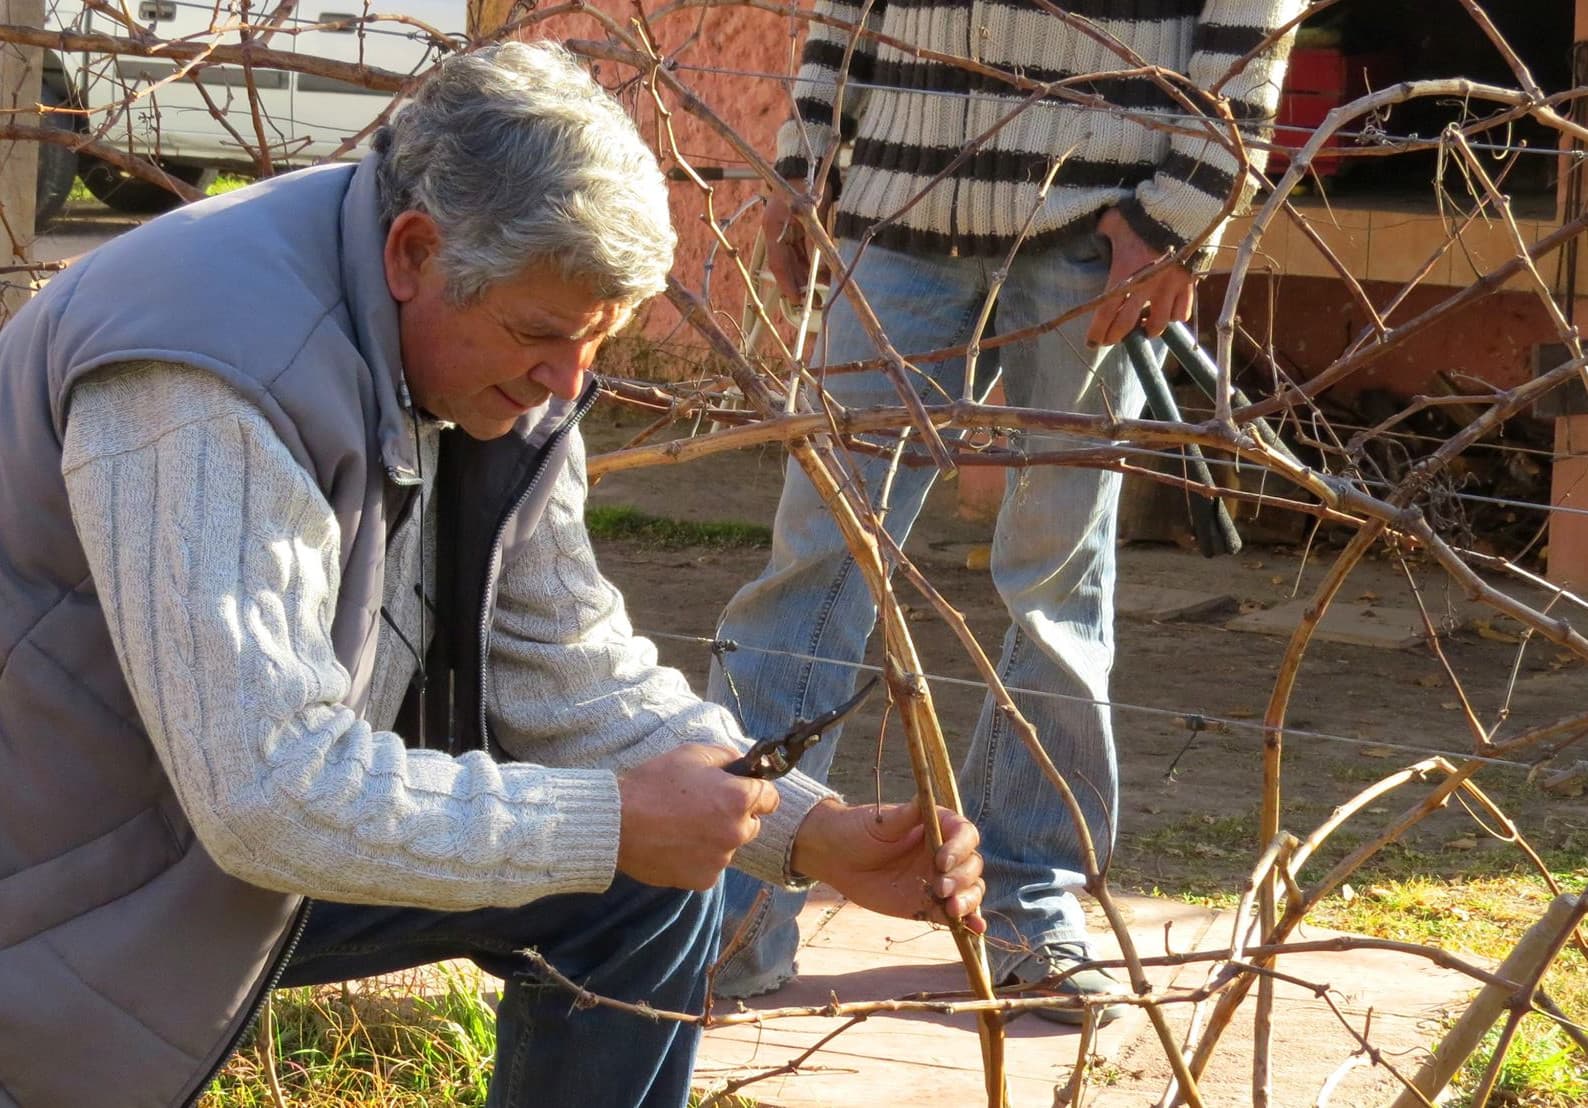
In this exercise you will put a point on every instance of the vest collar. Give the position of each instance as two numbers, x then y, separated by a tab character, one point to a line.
374	314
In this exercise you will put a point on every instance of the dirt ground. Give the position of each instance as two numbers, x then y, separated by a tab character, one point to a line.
1193	830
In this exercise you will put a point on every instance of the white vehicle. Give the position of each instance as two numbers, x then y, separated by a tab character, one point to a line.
195	128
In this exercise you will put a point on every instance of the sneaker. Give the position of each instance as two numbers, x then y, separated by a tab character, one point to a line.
1051	971
741	977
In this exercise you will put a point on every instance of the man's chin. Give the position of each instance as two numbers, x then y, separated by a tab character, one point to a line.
485	430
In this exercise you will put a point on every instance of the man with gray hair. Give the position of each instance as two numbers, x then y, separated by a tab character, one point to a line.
306	668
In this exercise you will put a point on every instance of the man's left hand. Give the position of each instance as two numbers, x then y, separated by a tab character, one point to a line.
876	856
1153	303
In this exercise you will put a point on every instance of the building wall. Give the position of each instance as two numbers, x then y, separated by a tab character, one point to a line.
1311	320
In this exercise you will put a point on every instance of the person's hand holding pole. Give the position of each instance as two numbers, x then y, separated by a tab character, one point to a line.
1152	303
787	251
876	856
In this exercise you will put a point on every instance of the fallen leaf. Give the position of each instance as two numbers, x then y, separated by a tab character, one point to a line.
1377	752
1462	844
1368	596
1487	630
1450	705
979	556
1254	564
1276	580
1241	712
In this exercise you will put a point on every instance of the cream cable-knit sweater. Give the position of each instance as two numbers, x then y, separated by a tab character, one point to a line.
910	117
216	561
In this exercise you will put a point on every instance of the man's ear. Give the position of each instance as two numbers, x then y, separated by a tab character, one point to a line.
412	247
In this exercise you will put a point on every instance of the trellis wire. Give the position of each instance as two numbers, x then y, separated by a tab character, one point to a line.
1184	717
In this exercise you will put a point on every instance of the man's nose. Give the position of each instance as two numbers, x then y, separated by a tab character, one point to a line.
563	372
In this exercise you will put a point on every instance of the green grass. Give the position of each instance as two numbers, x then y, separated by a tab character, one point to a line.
1541	1070
1476	899
1485	915
399	1042
388	1043
618	522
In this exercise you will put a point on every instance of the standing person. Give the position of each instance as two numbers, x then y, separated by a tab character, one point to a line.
319	489
1125	196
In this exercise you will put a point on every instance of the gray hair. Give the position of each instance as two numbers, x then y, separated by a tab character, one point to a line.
522	159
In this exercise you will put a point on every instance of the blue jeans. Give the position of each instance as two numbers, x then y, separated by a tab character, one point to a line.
633	943
1052	563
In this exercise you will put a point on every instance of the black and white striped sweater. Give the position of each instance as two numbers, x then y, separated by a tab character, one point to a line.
911	116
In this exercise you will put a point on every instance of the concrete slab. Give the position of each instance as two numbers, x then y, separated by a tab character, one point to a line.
1165	605
1375	625
929	1060
856	955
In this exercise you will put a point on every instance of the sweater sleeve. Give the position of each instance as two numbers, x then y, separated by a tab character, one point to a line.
215	558
803	141
1184	197
571	683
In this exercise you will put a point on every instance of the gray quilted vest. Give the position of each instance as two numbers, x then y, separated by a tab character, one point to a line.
129	962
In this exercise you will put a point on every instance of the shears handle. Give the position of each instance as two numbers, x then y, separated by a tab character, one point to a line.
1210	519
770	759
765	760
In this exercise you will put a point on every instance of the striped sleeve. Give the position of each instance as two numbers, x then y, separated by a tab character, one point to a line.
1184	198
804	140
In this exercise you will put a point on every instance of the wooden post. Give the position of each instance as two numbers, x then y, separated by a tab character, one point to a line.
1568	532
1524	963
19	161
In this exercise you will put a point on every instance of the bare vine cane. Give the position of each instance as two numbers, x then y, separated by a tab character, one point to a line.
929	755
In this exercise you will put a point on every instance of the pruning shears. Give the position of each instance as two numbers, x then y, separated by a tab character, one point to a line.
1215	530
770	759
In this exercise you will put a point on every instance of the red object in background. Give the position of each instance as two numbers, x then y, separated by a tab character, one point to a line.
1320	79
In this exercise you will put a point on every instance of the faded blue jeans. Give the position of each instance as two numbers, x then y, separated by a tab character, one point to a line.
633	942
1052	563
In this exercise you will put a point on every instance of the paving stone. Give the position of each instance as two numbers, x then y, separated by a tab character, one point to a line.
1375	625
1166	605
915	1058
927	1060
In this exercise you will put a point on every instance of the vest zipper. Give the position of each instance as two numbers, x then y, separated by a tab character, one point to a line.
585	402
301	920
256	1003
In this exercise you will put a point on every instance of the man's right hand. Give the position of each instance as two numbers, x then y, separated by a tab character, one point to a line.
787	253
683	817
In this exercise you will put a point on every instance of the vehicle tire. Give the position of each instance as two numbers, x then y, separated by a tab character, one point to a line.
116	188
57	164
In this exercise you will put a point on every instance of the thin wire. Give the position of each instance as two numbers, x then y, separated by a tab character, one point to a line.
1185	718
1235	463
